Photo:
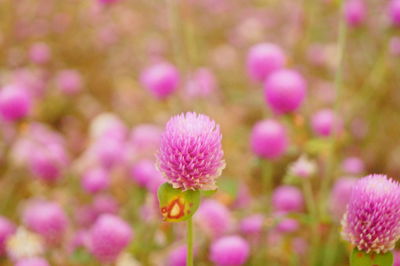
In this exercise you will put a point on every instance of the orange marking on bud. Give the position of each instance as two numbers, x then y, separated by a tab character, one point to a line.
175	209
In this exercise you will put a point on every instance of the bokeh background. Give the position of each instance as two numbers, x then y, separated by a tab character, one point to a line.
80	65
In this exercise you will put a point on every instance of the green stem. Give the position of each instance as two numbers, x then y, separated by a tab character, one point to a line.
338	81
189	258
312	209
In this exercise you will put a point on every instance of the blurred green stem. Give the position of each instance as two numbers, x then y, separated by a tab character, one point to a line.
331	247
189	258
312	209
341	45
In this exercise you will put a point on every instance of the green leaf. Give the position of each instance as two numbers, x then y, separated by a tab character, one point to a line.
177	205
361	258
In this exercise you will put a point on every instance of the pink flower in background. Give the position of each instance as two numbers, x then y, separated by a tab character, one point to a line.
46	218
355	12
145	138
144	173
213	218
269	139
353	165
263	59
394	12
69	81
161	79
287	225
252	225
325	122
40	53
191	155
15	103
6	230
177	256
202	83
35	261
108	126
284	91
95	180
109	236
229	250
372	220
340	196
287	199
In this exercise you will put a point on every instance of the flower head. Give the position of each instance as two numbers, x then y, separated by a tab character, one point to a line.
108	237
263	59
269	139
230	250
213	218
161	79
287	199
6	230
285	90
190	154
303	167
45	218
372	220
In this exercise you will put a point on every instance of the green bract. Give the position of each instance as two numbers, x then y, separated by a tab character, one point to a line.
177	205
361	258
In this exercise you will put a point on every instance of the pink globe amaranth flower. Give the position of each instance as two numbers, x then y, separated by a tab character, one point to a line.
47	219
40	53
190	154
36	261
177	256
355	12
109	152
252	225
394	46
269	139
108	237
146	138
324	123
229	251
6	230
213	218
340	196
144	172
287	199
284	91
69	81
263	59
394	12
108	126
287	225
161	79
202	83
15	103
95	180
353	165
372	220
48	163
